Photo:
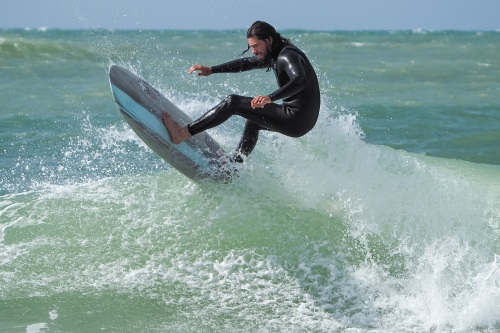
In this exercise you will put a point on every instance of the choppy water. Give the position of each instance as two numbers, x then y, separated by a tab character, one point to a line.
385	218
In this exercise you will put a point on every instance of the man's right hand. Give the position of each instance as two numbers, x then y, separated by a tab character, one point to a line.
202	70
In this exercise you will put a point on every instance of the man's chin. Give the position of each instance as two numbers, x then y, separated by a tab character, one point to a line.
266	59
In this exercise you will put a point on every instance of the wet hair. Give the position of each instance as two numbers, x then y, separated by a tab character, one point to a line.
262	31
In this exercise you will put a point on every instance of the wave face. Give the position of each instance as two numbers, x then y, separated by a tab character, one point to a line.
342	230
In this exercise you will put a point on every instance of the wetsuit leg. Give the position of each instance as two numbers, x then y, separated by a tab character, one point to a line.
248	141
272	117
214	117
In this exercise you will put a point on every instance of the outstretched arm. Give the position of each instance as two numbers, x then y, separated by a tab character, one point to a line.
238	65
234	66
202	70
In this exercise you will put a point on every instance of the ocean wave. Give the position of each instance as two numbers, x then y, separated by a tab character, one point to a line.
327	232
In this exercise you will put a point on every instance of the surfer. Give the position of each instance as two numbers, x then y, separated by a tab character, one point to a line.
298	89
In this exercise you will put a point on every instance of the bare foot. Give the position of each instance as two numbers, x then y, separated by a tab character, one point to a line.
177	133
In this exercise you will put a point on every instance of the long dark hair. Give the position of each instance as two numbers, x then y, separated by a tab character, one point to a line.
262	31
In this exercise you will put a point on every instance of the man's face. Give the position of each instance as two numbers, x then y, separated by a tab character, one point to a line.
260	47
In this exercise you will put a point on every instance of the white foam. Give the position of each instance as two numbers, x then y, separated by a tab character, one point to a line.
36	328
434	214
53	315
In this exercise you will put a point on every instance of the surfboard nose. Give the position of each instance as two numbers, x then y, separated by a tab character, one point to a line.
115	70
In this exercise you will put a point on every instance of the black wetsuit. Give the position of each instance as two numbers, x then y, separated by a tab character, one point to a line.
298	89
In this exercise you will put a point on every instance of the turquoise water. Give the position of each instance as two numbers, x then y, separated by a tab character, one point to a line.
385	218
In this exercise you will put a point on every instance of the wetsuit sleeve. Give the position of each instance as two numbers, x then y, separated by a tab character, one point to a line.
293	65
238	65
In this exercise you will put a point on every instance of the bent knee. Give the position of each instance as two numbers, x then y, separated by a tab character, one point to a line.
232	100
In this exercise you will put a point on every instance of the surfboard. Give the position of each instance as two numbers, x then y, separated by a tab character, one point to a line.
199	158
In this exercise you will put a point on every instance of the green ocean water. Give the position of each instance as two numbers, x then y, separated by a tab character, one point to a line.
385	218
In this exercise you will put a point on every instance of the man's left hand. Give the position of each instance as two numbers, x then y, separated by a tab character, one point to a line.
260	101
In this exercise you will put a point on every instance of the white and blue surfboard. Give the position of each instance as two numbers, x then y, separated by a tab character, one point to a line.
142	106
